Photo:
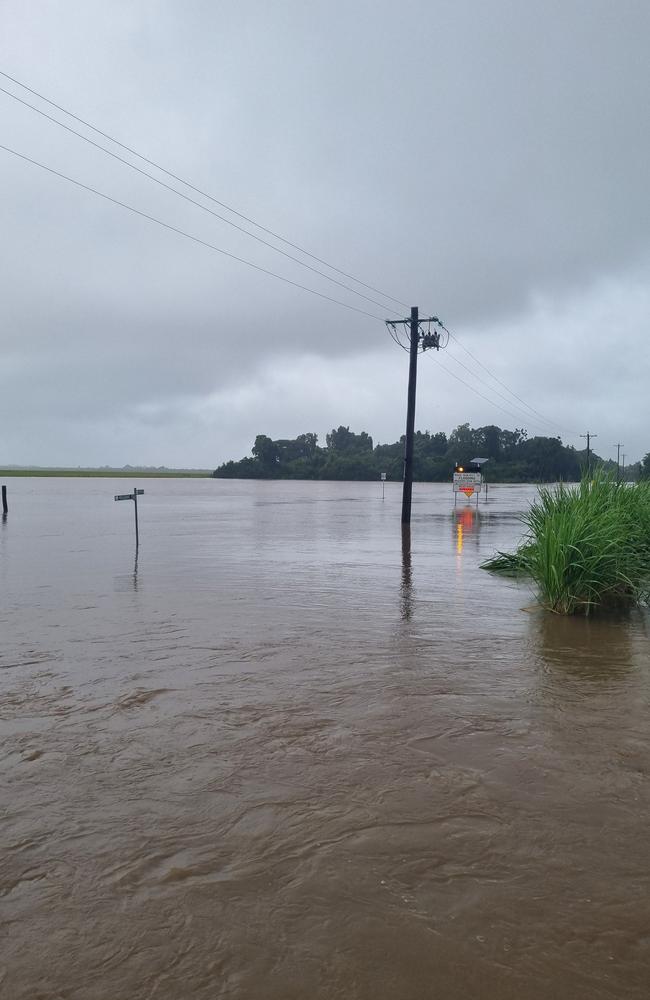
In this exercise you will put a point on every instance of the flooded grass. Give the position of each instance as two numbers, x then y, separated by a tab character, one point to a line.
586	546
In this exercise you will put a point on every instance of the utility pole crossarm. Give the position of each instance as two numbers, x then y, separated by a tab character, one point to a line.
407	322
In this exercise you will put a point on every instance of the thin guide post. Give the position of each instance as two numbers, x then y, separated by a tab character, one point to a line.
135	507
133	496
5	507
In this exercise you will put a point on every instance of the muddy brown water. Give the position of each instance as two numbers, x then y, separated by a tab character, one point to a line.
288	754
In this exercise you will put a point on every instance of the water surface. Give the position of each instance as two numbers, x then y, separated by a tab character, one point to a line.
288	752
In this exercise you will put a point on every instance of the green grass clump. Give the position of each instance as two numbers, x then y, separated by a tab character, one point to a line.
586	546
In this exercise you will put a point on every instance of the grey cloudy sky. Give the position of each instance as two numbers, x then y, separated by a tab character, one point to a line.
486	160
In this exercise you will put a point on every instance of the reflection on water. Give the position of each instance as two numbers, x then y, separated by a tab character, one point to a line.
242	780
466	522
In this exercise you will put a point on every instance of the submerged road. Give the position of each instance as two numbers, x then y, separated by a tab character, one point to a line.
290	754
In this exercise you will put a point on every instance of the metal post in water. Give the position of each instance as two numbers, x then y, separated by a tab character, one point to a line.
5	508
133	496
135	507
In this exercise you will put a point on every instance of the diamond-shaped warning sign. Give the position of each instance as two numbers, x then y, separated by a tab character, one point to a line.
467	490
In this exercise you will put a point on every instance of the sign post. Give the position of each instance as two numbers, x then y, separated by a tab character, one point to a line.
383	484
133	496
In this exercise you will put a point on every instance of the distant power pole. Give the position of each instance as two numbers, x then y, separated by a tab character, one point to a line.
623	469
618	462
417	341
589	436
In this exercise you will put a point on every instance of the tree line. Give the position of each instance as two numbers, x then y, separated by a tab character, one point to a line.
513	457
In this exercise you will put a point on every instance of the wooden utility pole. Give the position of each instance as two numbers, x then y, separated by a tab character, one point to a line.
618	462
407	489
417	341
589	436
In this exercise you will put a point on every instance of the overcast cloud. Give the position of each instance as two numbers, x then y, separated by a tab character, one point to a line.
486	160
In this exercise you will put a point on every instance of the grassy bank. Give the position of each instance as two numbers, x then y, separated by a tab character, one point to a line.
585	547
111	473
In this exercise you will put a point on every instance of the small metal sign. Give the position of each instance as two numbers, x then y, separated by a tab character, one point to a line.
383	477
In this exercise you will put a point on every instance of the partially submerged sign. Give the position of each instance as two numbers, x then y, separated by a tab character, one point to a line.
468	483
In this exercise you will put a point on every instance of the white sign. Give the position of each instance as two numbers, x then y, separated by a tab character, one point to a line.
467	481
383	477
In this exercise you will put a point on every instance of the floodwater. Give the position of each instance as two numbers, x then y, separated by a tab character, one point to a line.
287	753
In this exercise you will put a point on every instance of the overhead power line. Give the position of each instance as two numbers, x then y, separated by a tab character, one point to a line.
181	232
496	392
246	232
508	389
192	201
476	391
188	184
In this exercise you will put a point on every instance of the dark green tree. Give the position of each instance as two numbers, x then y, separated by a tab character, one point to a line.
345	440
266	452
490	442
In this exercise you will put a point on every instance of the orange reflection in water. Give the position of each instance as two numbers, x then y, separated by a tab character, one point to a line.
466	522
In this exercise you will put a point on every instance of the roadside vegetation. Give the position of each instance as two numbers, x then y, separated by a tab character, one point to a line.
586	546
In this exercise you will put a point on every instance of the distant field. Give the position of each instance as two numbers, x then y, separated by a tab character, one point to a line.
111	473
